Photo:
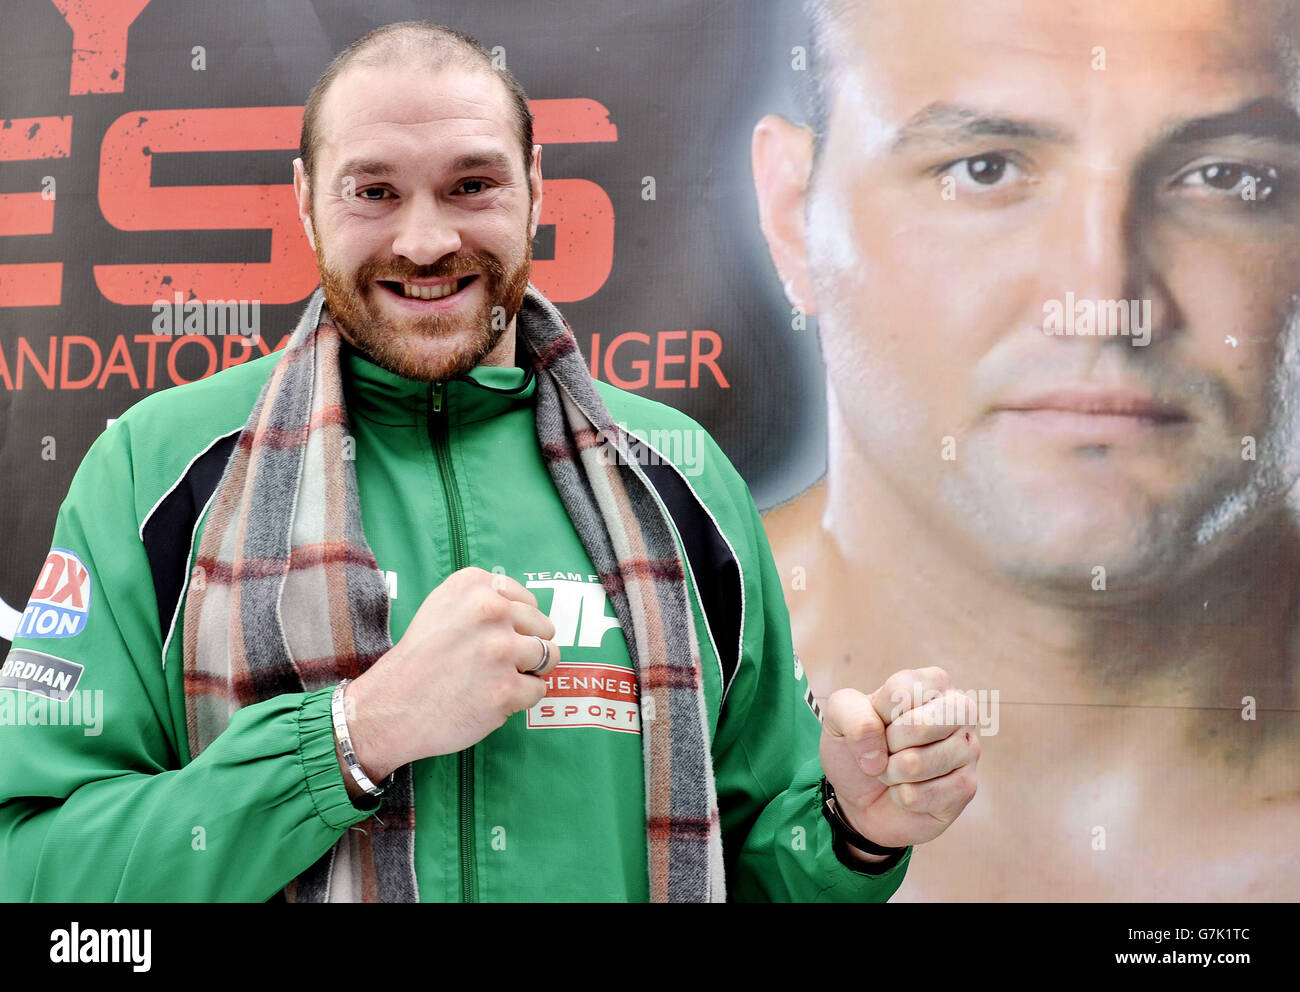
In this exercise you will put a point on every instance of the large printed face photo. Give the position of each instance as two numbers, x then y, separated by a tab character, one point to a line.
1054	254
989	179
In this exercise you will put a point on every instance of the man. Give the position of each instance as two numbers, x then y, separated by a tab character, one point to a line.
1088	517
430	458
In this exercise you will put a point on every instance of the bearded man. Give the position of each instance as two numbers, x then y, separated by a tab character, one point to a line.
403	615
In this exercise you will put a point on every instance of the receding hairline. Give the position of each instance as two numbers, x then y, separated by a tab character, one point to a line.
424	46
830	21
351	73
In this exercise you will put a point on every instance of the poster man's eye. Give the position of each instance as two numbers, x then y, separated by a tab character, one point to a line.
987	170
984	171
1238	179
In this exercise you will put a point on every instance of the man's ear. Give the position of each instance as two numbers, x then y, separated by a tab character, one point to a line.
535	184
782	156
302	190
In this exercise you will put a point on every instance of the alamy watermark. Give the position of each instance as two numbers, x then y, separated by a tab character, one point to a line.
1099	318
208	317
83	708
955	710
676	446
75	945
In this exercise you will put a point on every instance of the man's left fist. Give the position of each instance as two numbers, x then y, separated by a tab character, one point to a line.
902	760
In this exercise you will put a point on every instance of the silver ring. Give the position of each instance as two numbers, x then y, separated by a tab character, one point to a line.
546	656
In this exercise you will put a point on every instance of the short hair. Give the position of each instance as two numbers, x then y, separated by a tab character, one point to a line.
823	17
440	47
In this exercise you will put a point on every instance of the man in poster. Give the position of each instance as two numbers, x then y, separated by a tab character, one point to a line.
1054	250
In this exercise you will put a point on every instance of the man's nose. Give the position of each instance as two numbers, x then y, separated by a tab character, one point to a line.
1099	248
425	231
1094	247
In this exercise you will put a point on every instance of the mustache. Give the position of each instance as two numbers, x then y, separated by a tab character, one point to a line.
459	264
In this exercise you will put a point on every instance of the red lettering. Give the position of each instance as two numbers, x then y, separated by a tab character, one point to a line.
570	710
548	711
176	350
99	34
261	343
227	357
153	341
574	119
73	583
31	284
130	202
700	355
48	580
662	358
90	344
4	372
698	358
580	210
25	139
119	363
642	367
26	356
584	240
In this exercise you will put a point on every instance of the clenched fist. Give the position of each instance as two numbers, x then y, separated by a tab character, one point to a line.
902	760
465	664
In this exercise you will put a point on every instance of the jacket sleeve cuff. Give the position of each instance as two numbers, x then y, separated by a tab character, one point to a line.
320	763
849	880
863	868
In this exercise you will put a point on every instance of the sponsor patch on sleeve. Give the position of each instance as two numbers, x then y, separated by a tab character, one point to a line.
40	674
60	603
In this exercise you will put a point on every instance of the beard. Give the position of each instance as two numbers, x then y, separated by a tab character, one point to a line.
402	345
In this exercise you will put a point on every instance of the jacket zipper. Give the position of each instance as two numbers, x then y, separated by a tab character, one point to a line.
439	436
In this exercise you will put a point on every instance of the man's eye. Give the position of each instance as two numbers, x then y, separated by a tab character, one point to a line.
478	183
1238	179
982	171
380	192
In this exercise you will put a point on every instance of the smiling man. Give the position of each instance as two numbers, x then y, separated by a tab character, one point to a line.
402	614
1082	507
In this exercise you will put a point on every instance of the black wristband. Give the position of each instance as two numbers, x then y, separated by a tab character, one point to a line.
842	833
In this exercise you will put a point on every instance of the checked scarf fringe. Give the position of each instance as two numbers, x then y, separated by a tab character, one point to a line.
286	596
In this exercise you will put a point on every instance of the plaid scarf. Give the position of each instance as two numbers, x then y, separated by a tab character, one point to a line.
286	596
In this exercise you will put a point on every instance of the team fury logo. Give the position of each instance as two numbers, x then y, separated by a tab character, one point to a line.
208	317
1101	318
954	711
675	446
589	694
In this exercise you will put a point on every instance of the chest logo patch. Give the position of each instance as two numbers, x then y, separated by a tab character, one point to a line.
588	696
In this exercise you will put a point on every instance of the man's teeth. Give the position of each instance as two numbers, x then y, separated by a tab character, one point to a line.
428	292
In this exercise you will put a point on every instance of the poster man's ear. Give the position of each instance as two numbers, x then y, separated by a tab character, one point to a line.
782	157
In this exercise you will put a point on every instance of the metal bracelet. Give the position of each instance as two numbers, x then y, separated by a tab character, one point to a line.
344	740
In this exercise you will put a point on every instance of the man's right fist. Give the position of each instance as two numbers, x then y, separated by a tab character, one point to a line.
455	676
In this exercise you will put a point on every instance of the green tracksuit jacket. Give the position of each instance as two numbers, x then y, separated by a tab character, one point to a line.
100	801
